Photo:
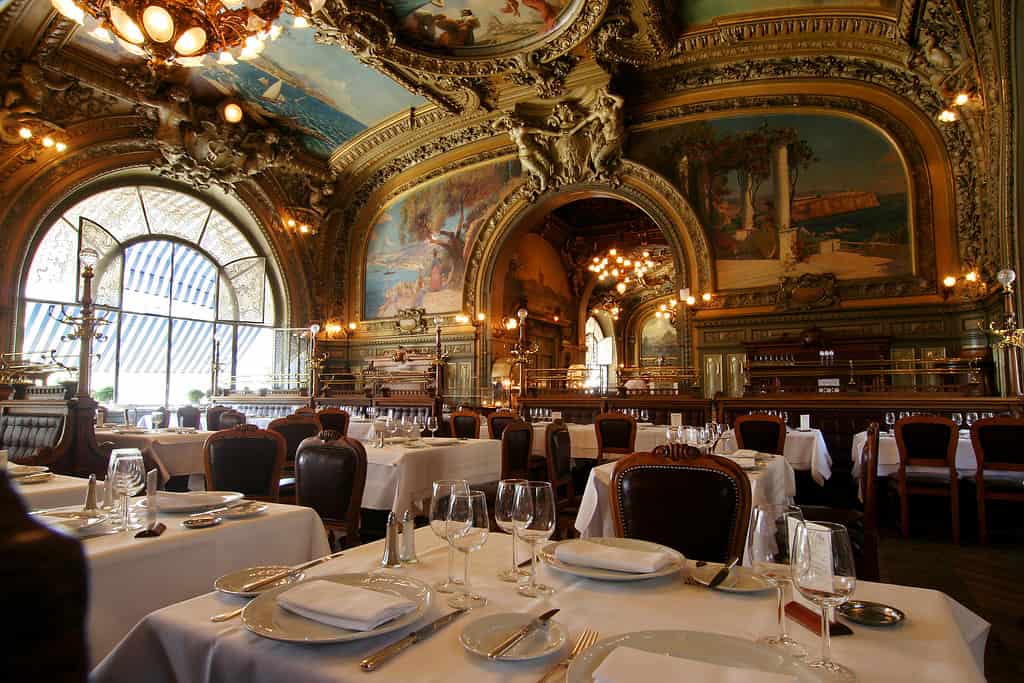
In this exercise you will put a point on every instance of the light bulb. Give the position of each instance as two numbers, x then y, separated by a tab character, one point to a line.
621	287
158	22
672	303
61	146
971	276
352	326
961	99
290	222
556	318
125	26
481	317
25	133
947	116
314	328
949	281
232	112
47	141
690	301
191	41
304	229
70	10
706	296
300	22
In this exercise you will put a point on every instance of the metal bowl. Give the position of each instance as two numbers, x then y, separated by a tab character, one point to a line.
871	613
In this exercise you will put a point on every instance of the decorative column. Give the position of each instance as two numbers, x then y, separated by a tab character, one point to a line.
315	363
780	183
746	199
1010	336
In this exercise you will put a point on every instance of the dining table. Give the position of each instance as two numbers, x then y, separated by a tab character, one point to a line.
805	449
146	421
57	491
583	439
130	577
940	640
889	455
174	453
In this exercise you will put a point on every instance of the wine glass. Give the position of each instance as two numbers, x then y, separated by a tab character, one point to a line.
129	475
971	418
771	532
823	572
468	526
503	507
957	418
890	420
440	505
432	425
533	518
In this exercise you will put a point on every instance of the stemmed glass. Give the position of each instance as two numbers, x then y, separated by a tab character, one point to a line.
468	527
440	507
432	425
890	420
971	418
503	508
771	532
823	571
957	418
129	475
533	518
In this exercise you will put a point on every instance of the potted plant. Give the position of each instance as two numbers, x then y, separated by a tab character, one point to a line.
195	396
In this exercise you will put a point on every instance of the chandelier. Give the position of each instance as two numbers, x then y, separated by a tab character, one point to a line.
624	269
184	31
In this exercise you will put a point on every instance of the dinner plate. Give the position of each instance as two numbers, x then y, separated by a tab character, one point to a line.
249	508
678	561
38	478
871	613
486	633
264	617
73	521
14	470
194	501
232	583
440	441
740	579
711	648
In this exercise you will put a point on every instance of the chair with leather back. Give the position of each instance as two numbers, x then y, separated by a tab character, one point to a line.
213	414
761	433
245	459
616	433
862	526
330	476
31	439
161	418
516	445
998	443
697	503
111	415
294	428
927	441
188	416
498	421
305	410
334	419
229	419
558	457
465	424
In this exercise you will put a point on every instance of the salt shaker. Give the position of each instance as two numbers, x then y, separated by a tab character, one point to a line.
391	554
408	552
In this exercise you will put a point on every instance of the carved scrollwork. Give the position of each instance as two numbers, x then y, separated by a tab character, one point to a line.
547	79
808	291
411	321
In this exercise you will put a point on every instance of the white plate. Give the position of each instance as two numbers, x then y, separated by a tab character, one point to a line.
73	521
39	478
195	501
14	470
483	635
264	617
702	647
232	583
678	561
740	579
439	441
249	508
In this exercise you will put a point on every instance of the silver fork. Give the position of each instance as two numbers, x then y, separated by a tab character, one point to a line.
586	639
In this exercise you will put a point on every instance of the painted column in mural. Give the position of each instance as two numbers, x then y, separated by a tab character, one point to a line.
780	181
746	180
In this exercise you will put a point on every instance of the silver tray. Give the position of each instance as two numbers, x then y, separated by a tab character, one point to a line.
871	613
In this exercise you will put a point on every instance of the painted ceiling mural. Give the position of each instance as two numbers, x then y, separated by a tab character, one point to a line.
695	13
785	194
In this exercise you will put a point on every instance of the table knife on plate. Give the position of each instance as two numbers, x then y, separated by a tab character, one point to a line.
723	573
371	662
510	642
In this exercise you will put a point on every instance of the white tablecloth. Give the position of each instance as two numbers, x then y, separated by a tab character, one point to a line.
774	484
583	439
180	645
889	455
804	451
59	491
359	429
130	577
146	421
400	479
174	453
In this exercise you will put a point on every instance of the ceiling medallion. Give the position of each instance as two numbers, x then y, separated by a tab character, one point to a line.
184	31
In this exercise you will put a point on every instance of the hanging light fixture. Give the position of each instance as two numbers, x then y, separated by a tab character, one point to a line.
625	270
183	31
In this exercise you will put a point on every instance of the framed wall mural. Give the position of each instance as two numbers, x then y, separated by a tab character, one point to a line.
417	248
782	195
531	271
658	339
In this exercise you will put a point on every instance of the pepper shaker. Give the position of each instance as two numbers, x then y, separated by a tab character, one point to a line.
391	554
408	552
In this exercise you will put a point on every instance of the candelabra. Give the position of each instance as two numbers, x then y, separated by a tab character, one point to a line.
521	353
85	327
316	364
1010	337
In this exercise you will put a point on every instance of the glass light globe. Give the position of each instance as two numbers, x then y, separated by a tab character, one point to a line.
190	42
69	9
158	23
125	26
89	257
522	313
1006	277
314	328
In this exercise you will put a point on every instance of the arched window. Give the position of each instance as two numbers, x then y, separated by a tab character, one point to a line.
177	282
600	355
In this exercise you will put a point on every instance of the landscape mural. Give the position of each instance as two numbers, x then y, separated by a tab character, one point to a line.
658	338
531	273
418	246
781	195
467	25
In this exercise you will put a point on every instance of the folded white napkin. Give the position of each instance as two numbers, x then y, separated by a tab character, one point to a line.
349	607
629	665
599	556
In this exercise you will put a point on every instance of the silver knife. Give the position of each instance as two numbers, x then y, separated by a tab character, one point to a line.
723	573
371	662
510	642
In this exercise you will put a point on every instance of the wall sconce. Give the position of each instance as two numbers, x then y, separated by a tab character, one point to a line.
967	286
47	139
333	329
670	310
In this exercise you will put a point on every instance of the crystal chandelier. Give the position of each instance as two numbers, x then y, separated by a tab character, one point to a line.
624	269
184	31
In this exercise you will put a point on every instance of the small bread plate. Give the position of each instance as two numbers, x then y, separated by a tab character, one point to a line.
76	522
740	579
16	471
264	617
204	522
249	508
232	583
486	633
439	441
547	554
39	478
871	613
193	501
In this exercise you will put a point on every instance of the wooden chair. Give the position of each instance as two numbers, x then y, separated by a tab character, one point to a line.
294	428
498	421
761	433
213	414
334	419
863	526
330	477
558	457
697	503
466	424
229	419
998	443
245	459
305	410
616	433
927	441
188	416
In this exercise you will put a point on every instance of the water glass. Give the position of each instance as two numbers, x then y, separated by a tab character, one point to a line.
503	506
971	418
534	518
440	506
772	529
467	529
890	420
432	425
957	419
128	477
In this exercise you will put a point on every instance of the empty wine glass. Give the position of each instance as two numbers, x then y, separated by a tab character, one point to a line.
890	420
129	475
533	518
440	505
971	418
432	425
503	507
670	435
823	572
771	532
957	418
468	527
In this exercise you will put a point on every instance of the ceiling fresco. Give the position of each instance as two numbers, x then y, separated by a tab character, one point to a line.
695	13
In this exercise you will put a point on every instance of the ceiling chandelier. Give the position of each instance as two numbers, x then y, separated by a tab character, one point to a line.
184	31
625	270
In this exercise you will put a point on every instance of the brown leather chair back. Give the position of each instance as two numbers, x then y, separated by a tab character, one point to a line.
698	504
926	441
558	453
466	424
213	414
998	443
761	433
330	477
498	421
188	416
229	419
869	479
334	419
294	428
616	433
516	443
245	459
